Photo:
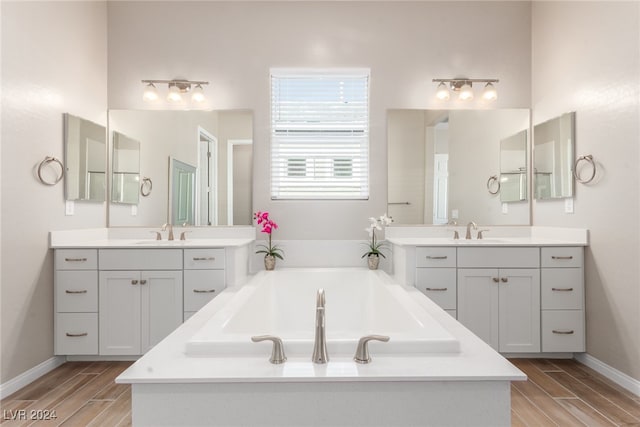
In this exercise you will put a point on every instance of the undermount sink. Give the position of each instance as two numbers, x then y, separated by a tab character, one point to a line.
152	242
484	241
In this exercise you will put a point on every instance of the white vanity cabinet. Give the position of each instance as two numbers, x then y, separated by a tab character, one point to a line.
140	294
436	276
204	278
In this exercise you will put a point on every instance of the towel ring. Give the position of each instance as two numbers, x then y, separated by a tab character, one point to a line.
589	159
146	186
47	160
493	179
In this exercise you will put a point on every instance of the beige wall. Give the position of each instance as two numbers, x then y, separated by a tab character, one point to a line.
53	61
586	58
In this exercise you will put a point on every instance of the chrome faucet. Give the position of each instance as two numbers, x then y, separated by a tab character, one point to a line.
475	227
170	227
320	354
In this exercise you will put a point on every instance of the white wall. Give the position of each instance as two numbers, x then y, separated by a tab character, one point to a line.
586	58
234	44
53	61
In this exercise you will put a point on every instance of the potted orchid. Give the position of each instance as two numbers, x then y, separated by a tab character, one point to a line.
375	246
271	251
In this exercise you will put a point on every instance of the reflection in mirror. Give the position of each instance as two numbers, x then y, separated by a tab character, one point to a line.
182	192
84	159
125	162
513	168
205	140
439	162
553	157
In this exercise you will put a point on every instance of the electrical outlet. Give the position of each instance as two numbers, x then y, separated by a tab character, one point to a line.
505	208
568	205
134	210
69	207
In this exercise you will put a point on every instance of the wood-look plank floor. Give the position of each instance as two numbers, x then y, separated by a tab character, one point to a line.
557	393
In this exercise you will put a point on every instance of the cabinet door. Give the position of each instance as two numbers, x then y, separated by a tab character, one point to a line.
478	303
119	301
519	310
161	305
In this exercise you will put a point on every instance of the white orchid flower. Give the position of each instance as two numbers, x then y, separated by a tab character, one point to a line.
385	220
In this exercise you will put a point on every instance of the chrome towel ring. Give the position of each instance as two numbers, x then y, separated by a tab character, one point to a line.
493	184
47	160
589	159
146	186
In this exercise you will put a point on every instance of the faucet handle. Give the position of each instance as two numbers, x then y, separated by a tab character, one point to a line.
277	351
456	235
158	235
183	235
362	352
480	236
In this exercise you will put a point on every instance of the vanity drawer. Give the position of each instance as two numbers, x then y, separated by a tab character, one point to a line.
563	331
562	256
435	256
140	259
76	259
562	288
503	257
200	259
76	333
76	291
200	287
439	284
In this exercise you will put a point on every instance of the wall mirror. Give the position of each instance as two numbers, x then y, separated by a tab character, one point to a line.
554	142
513	168
125	169
217	145
439	162
84	159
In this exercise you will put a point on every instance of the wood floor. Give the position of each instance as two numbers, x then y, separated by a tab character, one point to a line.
558	393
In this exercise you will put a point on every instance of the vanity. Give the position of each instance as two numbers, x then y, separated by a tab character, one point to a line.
521	294
119	293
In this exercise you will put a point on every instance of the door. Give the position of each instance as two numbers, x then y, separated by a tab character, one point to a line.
519	310
478	297
207	185
119	318
161	306
440	183
183	193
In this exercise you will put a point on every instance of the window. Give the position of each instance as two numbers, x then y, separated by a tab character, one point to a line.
319	134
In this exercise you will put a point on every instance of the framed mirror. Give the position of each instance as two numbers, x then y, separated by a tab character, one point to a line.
553	157
84	159
439	162
513	168
218	144
125	170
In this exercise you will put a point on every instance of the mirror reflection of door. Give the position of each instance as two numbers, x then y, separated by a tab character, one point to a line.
239	177
207	212
183	194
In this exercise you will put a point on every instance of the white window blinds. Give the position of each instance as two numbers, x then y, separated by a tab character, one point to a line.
319	134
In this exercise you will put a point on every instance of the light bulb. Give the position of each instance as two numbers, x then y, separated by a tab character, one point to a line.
466	93
198	94
442	93
174	94
150	93
489	93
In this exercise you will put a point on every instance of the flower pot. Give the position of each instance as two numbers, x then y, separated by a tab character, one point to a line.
269	262
373	261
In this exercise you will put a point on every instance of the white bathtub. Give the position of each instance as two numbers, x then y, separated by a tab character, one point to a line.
358	302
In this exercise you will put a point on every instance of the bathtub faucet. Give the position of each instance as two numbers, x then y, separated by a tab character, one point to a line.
320	344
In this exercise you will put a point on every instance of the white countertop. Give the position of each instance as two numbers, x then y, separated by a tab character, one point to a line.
168	363
488	241
150	243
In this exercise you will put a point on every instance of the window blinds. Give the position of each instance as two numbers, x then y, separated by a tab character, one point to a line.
320	134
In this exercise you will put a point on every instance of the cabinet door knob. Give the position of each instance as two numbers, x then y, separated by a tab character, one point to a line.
504	279
495	279
134	282
143	282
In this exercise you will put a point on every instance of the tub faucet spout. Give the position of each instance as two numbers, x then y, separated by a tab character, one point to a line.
320	354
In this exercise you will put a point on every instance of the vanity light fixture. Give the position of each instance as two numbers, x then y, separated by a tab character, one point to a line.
177	88
464	88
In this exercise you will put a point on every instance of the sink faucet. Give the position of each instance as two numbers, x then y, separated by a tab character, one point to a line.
320	354
475	227
170	227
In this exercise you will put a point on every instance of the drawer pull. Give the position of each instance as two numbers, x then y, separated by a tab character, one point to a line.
561	257
204	258
436	257
562	289
204	291
495	279
504	279
134	282
555	331
75	259
75	292
437	289
143	282
82	334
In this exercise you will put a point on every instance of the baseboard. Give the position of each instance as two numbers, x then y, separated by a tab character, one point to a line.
620	378
25	378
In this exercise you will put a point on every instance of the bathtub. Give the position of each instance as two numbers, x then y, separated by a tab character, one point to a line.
358	302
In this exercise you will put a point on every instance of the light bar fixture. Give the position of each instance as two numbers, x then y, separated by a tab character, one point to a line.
464	88
177	88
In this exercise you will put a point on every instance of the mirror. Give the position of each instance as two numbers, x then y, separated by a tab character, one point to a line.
217	144
84	159
553	157
439	162
125	161
513	168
